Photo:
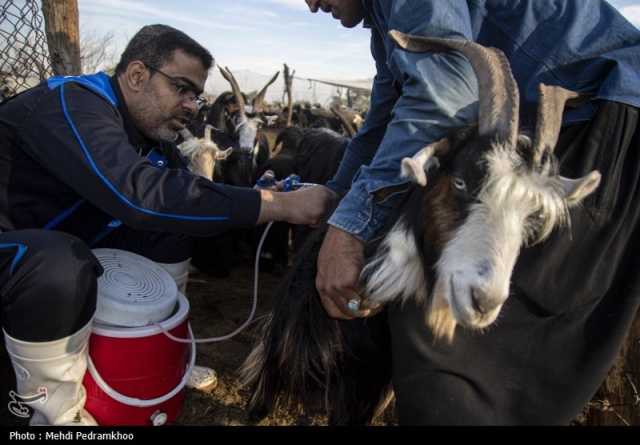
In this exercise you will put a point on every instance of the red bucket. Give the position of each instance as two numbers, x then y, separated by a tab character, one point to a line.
136	375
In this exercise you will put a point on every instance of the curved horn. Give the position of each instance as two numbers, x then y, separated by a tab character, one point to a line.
498	90
351	132
226	73
549	119
258	101
207	133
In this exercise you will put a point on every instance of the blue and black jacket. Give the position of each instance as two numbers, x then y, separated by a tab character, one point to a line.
72	160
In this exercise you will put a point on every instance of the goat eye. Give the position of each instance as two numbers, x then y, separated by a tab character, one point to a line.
459	184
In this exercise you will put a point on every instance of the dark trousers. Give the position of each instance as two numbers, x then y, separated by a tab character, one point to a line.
48	279
573	299
48	283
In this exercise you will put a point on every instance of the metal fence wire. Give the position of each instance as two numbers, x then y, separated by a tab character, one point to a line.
24	55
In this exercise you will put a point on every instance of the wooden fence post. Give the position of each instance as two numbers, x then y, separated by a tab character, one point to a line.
63	37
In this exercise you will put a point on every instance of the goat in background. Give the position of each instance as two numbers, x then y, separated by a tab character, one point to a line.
237	125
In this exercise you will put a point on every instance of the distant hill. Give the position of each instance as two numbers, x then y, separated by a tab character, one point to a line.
250	81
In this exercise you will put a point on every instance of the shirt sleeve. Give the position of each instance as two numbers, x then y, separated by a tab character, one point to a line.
439	92
362	147
80	139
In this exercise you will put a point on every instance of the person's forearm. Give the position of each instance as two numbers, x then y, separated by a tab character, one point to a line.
272	206
306	206
363	146
428	110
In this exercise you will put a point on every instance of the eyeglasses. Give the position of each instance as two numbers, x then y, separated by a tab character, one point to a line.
184	90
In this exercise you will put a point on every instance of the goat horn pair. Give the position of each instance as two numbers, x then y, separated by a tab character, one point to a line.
226	73
499	98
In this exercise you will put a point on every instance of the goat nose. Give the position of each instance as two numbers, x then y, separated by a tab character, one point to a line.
481	302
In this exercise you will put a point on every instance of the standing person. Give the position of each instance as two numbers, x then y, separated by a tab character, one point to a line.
574	297
89	161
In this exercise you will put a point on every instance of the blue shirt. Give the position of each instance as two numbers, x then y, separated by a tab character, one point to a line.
582	45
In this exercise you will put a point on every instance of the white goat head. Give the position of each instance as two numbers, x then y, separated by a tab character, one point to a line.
245	123
486	192
202	153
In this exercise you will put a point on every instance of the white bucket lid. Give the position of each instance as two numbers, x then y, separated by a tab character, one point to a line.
133	290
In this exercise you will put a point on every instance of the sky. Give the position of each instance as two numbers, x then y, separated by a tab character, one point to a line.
259	35
256	35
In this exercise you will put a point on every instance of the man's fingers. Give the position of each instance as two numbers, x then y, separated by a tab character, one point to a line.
348	303
333	309
358	306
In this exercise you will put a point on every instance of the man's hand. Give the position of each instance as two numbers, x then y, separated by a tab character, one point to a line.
308	205
340	262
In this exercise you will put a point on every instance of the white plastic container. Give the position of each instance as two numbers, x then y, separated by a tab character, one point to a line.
179	272
133	290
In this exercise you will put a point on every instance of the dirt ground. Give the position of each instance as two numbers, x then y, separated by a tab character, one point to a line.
219	306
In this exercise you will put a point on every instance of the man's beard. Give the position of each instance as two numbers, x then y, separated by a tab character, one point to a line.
157	129
164	134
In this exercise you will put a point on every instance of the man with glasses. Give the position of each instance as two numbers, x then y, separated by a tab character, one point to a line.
90	161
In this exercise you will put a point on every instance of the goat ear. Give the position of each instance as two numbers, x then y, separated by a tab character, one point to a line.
575	190
411	170
415	168
221	155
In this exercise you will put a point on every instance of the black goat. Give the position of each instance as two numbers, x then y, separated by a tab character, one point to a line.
312	154
304	357
477	197
234	125
317	162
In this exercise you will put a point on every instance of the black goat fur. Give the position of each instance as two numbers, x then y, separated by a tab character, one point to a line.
341	368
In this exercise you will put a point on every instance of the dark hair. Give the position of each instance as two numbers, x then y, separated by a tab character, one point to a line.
154	46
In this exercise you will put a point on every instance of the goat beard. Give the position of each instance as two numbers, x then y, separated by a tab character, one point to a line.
439	317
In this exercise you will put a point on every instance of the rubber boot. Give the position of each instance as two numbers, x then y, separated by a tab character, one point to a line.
179	272
49	378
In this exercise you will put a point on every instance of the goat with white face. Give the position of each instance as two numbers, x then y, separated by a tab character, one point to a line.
488	192
241	127
202	153
479	195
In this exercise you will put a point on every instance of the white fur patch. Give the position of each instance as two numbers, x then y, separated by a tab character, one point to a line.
396	271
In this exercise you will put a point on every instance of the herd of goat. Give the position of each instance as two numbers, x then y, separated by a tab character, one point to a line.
238	135
451	246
